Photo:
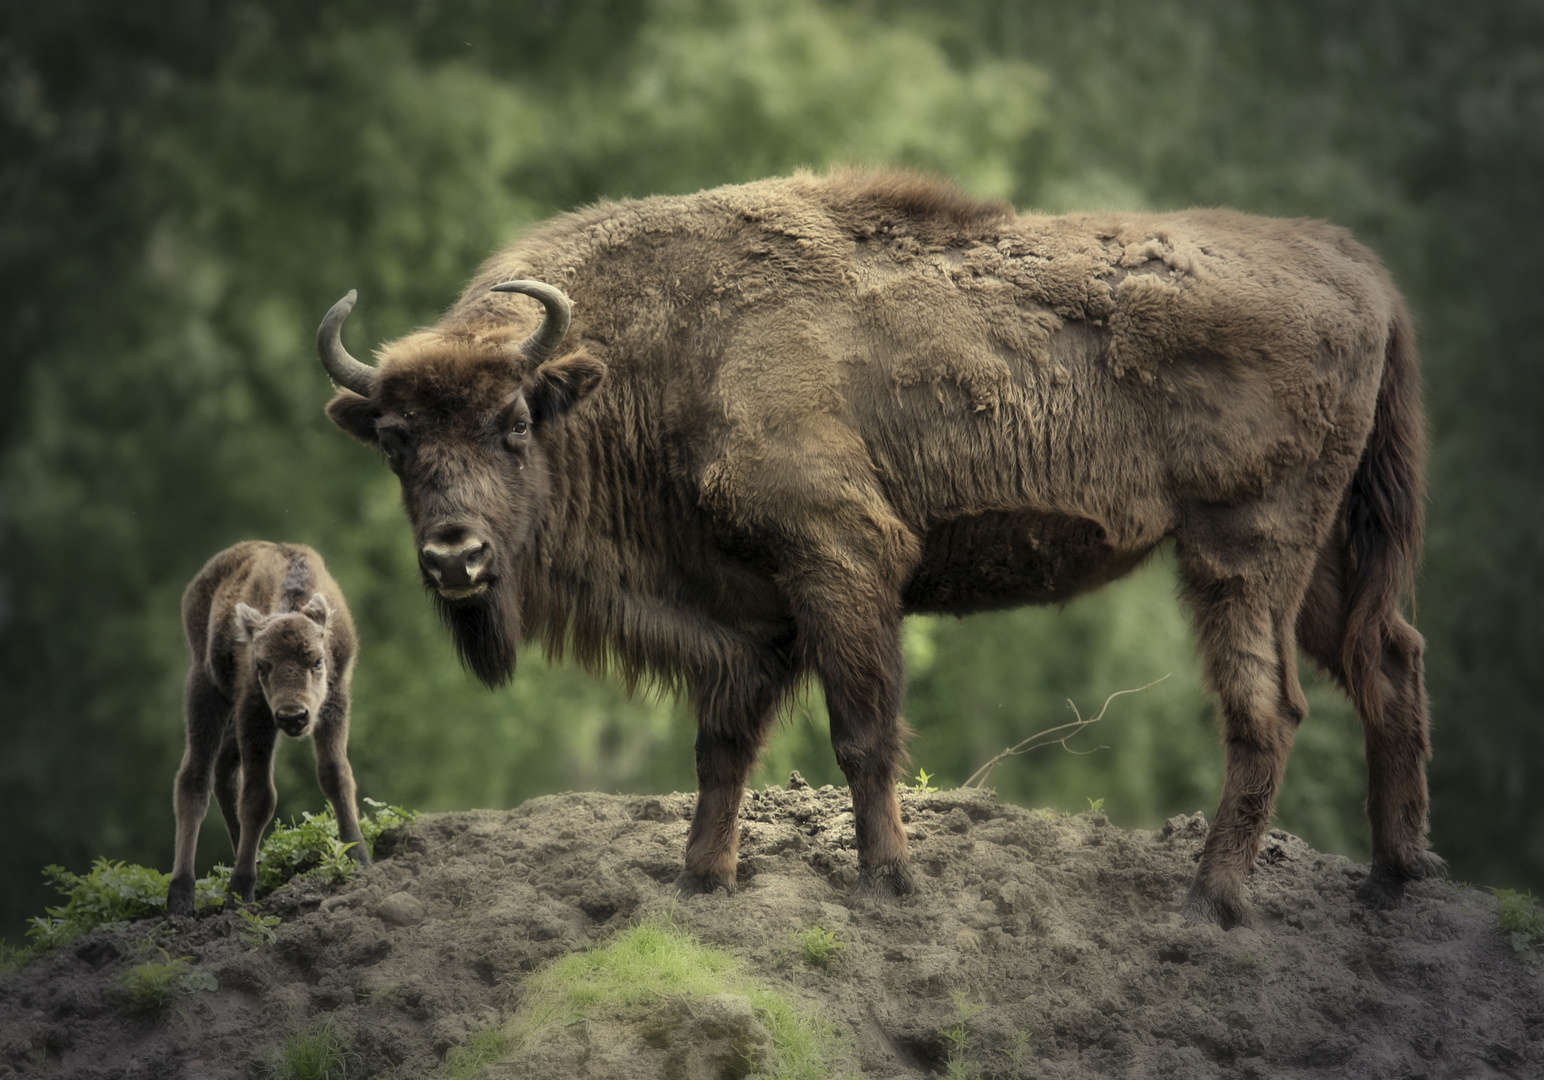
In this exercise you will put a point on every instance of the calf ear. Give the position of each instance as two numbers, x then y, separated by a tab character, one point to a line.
317	609
248	622
561	384
355	415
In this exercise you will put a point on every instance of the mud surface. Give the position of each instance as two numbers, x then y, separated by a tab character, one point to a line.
1060	936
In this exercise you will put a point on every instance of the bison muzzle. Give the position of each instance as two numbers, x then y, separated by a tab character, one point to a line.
788	414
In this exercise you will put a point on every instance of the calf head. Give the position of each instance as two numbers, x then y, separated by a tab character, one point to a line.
466	421
289	654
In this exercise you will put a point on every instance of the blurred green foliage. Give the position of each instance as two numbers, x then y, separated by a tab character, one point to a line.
186	185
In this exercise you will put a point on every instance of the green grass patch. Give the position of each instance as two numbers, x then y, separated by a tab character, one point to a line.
1520	918
483	1047
150	987
316	1053
656	961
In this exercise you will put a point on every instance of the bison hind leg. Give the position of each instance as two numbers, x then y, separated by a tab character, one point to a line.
1384	888
1394	727
884	883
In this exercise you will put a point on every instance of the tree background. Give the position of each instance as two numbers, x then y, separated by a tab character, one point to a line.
187	185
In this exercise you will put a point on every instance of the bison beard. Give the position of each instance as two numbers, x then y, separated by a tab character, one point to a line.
486	632
830	402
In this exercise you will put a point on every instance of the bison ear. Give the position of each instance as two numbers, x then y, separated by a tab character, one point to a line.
317	609
355	415
248	622
561	384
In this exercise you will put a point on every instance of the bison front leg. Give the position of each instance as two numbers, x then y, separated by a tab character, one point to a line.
861	671
734	710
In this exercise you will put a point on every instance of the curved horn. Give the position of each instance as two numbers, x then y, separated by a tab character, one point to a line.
344	369
544	341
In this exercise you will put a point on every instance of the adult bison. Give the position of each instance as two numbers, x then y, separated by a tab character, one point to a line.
788	414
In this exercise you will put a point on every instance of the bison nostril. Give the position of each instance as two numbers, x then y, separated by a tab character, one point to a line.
455	565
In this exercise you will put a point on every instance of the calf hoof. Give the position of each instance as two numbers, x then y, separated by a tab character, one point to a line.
242	889
690	884
1384	889
884	883
179	897
1226	908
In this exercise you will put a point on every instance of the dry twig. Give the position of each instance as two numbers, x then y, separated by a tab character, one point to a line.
1052	736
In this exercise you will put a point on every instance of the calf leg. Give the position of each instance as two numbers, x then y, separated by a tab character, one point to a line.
337	777
734	710
256	735
206	715
227	786
1394	726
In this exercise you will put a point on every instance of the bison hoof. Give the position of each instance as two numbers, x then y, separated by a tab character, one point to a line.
690	884
884	883
1226	909
1384	889
179	897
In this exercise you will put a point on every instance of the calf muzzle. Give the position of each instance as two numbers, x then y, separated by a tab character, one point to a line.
293	720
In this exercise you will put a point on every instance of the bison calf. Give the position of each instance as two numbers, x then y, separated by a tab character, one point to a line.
270	649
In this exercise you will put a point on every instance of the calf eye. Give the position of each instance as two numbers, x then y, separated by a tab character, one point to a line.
318	665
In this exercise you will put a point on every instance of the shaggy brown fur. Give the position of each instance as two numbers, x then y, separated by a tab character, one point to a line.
250	676
792	412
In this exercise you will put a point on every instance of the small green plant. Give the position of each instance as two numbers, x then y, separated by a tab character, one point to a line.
958	1036
1520	918
1095	805
310	847
482	1047
150	986
110	895
258	929
316	1053
923	785
1020	1048
819	946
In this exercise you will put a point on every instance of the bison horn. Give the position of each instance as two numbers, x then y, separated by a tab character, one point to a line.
344	369
544	341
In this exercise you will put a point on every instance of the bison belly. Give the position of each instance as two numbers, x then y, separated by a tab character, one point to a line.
1005	559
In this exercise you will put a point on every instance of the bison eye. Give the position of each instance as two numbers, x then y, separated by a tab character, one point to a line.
318	665
520	427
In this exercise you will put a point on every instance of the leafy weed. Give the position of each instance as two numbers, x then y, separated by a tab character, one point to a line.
819	946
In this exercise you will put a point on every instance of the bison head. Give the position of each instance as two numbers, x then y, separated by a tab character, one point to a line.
465	418
289	652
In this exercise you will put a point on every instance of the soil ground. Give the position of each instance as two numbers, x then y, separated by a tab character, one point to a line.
1050	945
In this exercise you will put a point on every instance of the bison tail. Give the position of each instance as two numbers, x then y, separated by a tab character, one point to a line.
1385	514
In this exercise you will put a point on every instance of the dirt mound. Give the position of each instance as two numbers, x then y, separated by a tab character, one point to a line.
1037	945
